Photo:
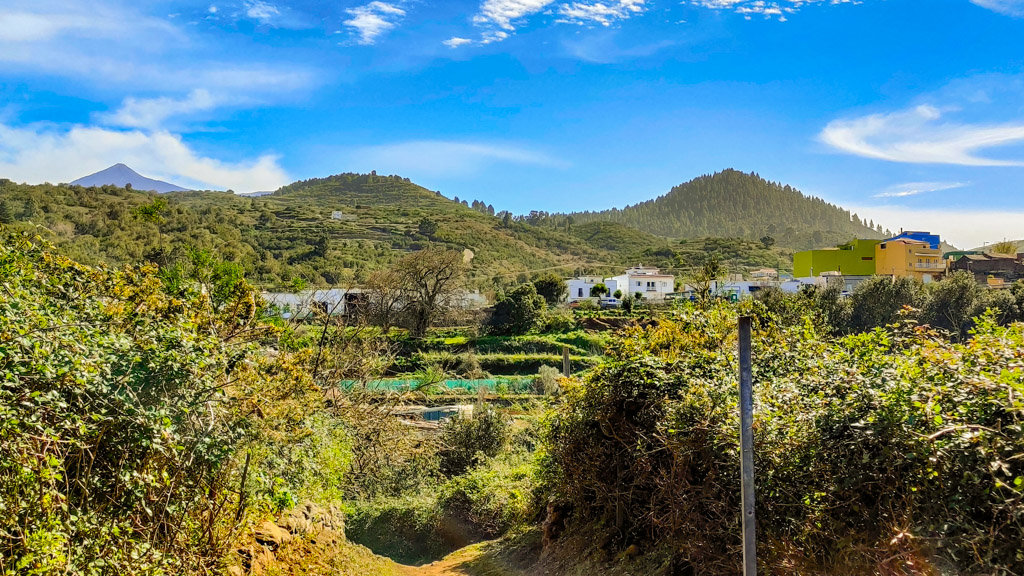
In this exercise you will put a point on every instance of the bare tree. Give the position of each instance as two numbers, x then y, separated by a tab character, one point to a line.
705	276
387	299
430	279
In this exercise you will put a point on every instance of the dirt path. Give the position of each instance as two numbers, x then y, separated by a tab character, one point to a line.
476	560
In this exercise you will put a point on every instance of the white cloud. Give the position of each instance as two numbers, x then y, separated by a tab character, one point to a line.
39	153
504	13
23	22
89	42
601	12
373	19
152	113
455	42
1008	7
915	188
491	36
261	11
500	18
445	158
767	8
920	135
965	228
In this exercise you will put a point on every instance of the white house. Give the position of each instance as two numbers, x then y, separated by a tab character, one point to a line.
648	281
579	288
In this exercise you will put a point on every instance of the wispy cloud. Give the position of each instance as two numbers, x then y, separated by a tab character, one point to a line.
916	188
38	153
921	135
446	158
602	13
603	48
260	11
88	42
765	8
499	19
505	14
455	42
1008	7
152	113
372	20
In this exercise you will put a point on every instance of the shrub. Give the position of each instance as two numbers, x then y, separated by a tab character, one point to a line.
547	381
518	311
557	320
872	450
552	288
121	411
494	496
953	302
465	441
879	300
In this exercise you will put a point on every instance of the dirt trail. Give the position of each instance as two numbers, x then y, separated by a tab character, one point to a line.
476	560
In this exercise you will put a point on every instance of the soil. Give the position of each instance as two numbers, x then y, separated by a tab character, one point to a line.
476	560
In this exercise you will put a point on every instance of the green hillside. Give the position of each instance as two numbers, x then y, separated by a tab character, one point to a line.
735	204
291	234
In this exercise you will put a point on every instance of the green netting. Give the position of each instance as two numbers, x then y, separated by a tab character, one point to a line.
518	385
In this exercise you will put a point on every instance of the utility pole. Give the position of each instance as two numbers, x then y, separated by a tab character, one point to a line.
747	450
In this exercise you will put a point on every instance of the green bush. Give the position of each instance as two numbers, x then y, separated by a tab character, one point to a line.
547	381
465	441
874	450
558	320
121	410
879	301
494	496
405	528
518	311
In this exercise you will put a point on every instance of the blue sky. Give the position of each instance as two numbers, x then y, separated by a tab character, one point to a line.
909	112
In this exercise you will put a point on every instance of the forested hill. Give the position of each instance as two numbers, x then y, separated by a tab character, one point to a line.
292	234
736	204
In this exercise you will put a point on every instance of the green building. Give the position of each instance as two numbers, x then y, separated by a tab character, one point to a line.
857	258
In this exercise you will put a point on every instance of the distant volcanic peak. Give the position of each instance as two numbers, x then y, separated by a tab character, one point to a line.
121	175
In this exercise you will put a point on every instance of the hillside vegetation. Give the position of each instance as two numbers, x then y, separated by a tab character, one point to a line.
290	235
732	203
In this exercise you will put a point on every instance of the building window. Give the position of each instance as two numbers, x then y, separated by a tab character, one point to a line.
869	258
581	293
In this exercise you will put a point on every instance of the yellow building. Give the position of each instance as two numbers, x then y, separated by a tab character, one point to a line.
909	258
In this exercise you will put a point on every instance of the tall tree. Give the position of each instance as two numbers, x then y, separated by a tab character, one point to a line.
430	278
518	311
552	288
6	216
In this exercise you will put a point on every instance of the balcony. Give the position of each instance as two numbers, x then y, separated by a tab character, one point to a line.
937	266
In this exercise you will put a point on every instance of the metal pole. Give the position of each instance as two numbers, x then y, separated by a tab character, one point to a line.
747	451
566	364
